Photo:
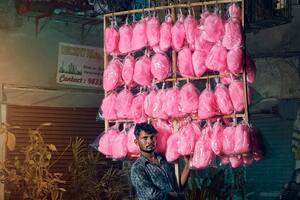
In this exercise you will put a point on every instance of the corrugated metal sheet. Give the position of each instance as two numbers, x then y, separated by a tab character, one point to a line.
267	177
66	123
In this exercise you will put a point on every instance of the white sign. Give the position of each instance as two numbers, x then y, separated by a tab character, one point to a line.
79	65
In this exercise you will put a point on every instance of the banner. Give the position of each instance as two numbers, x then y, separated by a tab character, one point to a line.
79	65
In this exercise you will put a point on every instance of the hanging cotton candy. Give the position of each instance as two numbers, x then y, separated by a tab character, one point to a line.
128	69
153	31
184	62
165	40
131	146
227	79
108	107
202	153
106	141
178	34
203	16
189	98
172	148
187	140
190	26
217	58
123	104
236	92
159	105
235	11
250	68
223	99
137	108
235	60
236	161
233	35
112	75
242	139
125	38
164	130
217	138
207	105
200	43
213	28
228	140
111	39
142	71
198	61
197	130
148	103
139	36
160	66
172	104
119	146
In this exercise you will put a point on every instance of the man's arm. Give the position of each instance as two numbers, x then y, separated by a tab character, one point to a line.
144	187
185	171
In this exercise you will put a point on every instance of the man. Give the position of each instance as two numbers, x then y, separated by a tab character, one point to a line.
151	175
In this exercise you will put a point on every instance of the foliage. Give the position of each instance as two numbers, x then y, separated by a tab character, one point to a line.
87	181
30	176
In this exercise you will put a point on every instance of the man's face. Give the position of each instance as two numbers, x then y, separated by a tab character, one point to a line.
146	142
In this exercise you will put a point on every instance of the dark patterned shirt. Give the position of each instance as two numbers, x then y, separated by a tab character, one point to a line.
152	181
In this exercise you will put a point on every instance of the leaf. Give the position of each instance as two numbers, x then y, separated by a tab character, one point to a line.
52	147
11	141
48	156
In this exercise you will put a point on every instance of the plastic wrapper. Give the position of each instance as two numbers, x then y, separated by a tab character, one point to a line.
165	40
131	146
160	66
108	107
236	92
233	34
106	141
153	31
159	110
235	60
202	153
184	62
139	36
119	146
137	108
236	161
111	39
229	140
112	75
242	139
235	11
172	105
213	28
217	58
142	71
189	98
125	38
172	148
197	130
178	34
190	26
200	43
250	68
187	140
217	138
226	80
164	130
207	104
224	160
198	61
223	99
148	103
247	159
128	69
123	104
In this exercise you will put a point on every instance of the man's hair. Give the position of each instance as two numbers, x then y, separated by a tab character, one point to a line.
147	128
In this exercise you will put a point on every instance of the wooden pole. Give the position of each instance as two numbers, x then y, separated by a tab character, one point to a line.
105	59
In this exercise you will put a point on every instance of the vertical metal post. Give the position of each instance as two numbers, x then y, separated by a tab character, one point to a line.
3	109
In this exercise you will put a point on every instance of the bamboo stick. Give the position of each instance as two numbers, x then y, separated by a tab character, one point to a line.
196	4
105	58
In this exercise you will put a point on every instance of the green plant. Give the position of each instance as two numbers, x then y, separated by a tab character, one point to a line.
30	176
90	178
